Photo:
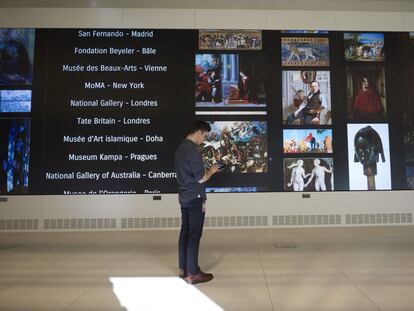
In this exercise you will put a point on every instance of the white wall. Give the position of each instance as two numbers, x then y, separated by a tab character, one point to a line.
130	212
205	18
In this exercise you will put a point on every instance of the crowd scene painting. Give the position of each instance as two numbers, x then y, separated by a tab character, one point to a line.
240	145
361	46
230	40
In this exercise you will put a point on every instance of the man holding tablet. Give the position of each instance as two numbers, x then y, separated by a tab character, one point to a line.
191	177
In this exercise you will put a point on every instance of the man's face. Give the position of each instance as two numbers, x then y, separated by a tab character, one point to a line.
314	87
201	137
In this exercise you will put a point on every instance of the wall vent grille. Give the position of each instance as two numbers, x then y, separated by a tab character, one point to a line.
306	220
19	224
389	218
150	222
236	221
213	221
79	223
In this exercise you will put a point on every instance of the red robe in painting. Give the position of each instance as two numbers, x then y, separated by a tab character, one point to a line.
367	101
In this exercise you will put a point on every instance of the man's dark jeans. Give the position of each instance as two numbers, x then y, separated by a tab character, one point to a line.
192	218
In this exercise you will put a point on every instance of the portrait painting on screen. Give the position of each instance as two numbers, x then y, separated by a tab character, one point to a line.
305	51
306	97
366	98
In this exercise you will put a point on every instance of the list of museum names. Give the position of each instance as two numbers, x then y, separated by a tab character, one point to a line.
116	91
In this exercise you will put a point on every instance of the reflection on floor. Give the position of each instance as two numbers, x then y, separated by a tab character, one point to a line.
328	269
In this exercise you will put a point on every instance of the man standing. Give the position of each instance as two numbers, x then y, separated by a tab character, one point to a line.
311	107
191	177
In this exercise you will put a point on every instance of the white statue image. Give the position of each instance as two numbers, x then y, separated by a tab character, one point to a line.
298	176
319	173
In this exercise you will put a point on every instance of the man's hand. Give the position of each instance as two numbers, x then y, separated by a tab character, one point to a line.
213	169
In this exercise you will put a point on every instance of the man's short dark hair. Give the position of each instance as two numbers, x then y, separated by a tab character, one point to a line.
313	81
199	126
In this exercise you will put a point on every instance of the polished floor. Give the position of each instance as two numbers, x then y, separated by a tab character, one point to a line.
255	269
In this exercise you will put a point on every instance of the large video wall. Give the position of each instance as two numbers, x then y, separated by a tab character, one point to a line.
101	111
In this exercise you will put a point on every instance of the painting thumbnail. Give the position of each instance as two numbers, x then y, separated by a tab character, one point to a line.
308	174
366	98
324	32
14	155
240	145
306	97
361	46
231	189
369	157
307	141
230	80
15	100
305	51
16	56
230	40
